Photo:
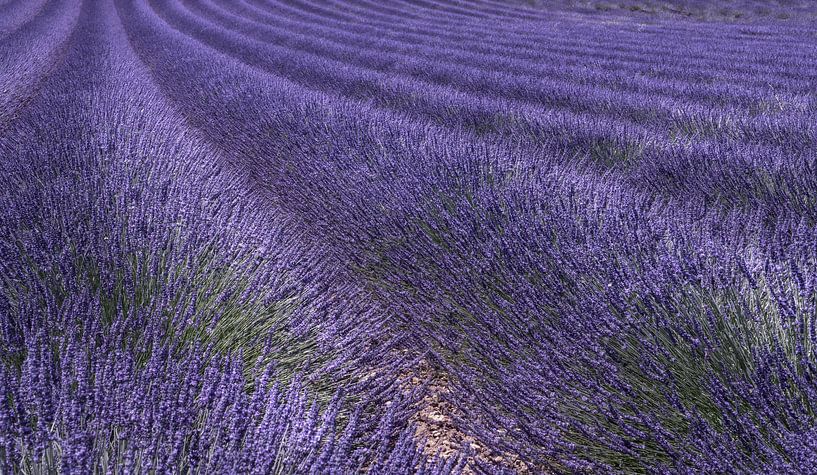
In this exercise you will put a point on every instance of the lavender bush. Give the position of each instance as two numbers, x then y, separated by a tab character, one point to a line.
414	237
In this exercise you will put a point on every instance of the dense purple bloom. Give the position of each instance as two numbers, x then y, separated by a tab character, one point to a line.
413	237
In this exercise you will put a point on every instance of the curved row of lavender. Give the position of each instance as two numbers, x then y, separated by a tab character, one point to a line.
265	236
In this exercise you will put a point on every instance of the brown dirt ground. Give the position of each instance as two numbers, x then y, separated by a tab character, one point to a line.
435	424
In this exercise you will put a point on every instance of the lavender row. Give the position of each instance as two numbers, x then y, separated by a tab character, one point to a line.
28	52
142	296
669	113
202	247
639	54
603	332
12	17
586	134
567	68
546	430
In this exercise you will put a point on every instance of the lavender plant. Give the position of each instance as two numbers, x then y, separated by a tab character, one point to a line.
415	237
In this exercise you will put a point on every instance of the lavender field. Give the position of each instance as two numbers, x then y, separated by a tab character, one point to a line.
415	236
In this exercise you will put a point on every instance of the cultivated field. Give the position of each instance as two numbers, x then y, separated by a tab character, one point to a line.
414	236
